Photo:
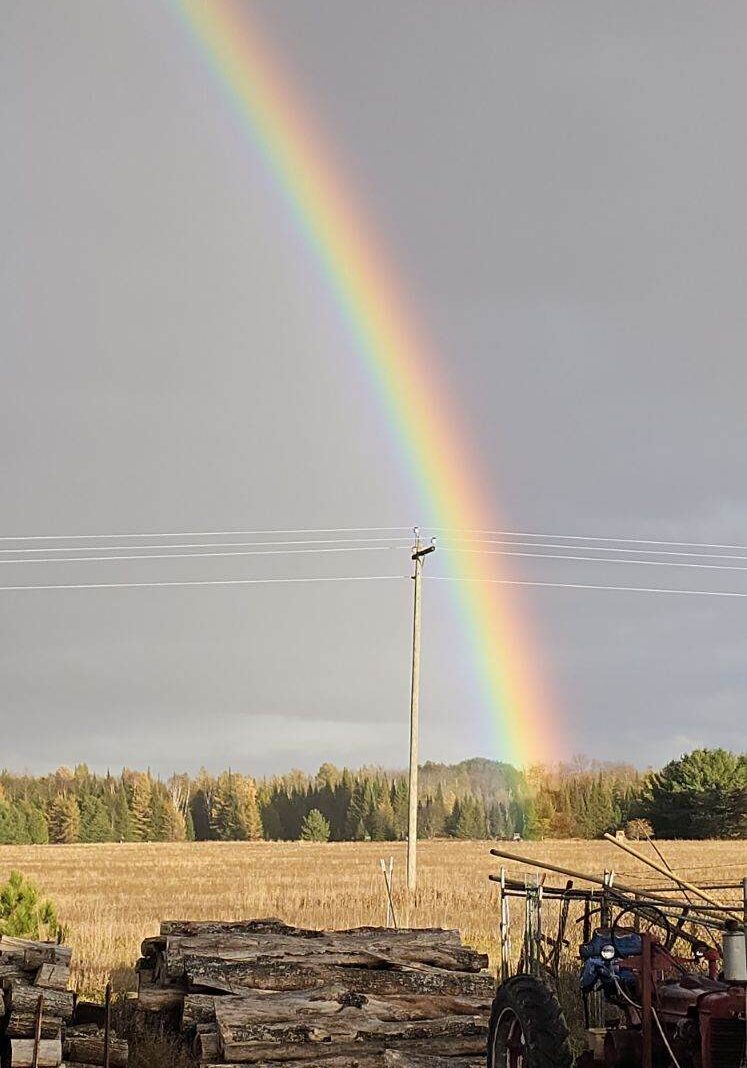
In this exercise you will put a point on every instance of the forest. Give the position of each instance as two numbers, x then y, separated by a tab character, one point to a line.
701	795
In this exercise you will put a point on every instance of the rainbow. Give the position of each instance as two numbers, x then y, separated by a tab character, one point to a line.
397	359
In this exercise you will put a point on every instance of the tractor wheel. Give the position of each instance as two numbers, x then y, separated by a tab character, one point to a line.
527	1027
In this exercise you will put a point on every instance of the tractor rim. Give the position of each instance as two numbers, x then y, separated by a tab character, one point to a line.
509	1045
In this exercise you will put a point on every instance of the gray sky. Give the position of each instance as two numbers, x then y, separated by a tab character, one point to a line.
562	186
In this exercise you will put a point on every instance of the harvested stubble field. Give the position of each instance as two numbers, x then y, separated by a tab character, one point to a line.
110	897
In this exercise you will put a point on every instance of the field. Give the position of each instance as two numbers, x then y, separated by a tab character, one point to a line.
111	896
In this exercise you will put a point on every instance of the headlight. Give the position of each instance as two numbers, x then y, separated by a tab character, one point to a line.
607	952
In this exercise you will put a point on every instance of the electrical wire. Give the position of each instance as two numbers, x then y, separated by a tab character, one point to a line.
599	560
585	537
582	586
202	556
198	533
202	545
208	582
574	548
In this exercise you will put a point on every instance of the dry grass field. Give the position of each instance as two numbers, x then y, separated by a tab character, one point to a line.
111	896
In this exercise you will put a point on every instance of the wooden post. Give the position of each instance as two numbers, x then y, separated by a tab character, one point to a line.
37	1030
107	1022
412	821
647	1020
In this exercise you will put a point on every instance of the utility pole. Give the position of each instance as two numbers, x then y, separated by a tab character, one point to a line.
418	554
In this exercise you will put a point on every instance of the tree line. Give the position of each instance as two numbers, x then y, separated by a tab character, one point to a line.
701	795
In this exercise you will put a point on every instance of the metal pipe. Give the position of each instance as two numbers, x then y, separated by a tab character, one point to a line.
571	874
670	875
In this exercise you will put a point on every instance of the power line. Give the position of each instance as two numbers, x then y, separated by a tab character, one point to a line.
198	533
203	556
550	545
202	545
206	582
593	559
583	586
586	537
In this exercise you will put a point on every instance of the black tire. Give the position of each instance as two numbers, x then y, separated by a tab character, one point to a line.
527	1027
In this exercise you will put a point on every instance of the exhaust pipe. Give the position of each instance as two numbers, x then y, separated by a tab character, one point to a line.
735	953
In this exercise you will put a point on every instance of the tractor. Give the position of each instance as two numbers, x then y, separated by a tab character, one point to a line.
651	1007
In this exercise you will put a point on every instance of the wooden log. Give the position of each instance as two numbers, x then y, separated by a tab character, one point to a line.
249	1042
395	1058
34	953
88	1013
197	1009
309	1006
53	977
359	1059
205	973
23	1025
160	999
328	950
269	925
20	998
22	1052
88	1048
323	1055
206	1044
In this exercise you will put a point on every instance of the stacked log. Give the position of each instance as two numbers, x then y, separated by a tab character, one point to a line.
264	993
43	1023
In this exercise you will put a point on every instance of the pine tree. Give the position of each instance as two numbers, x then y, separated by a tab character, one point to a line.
95	822
22	913
315	828
12	824
400	798
121	820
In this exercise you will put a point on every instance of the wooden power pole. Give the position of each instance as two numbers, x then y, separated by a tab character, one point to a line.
418	555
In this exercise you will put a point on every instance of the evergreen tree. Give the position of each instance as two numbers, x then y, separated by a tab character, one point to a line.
701	795
13	829
95	821
121	821
36	823
315	828
22	913
400	800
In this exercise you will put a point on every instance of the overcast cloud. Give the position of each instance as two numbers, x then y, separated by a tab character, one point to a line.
562	186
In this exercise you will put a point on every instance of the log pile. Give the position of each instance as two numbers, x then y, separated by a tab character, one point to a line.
263	993
43	1023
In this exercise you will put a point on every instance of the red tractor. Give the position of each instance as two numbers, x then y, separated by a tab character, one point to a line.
661	1010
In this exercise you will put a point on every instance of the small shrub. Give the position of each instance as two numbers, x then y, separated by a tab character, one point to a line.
638	830
23	914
